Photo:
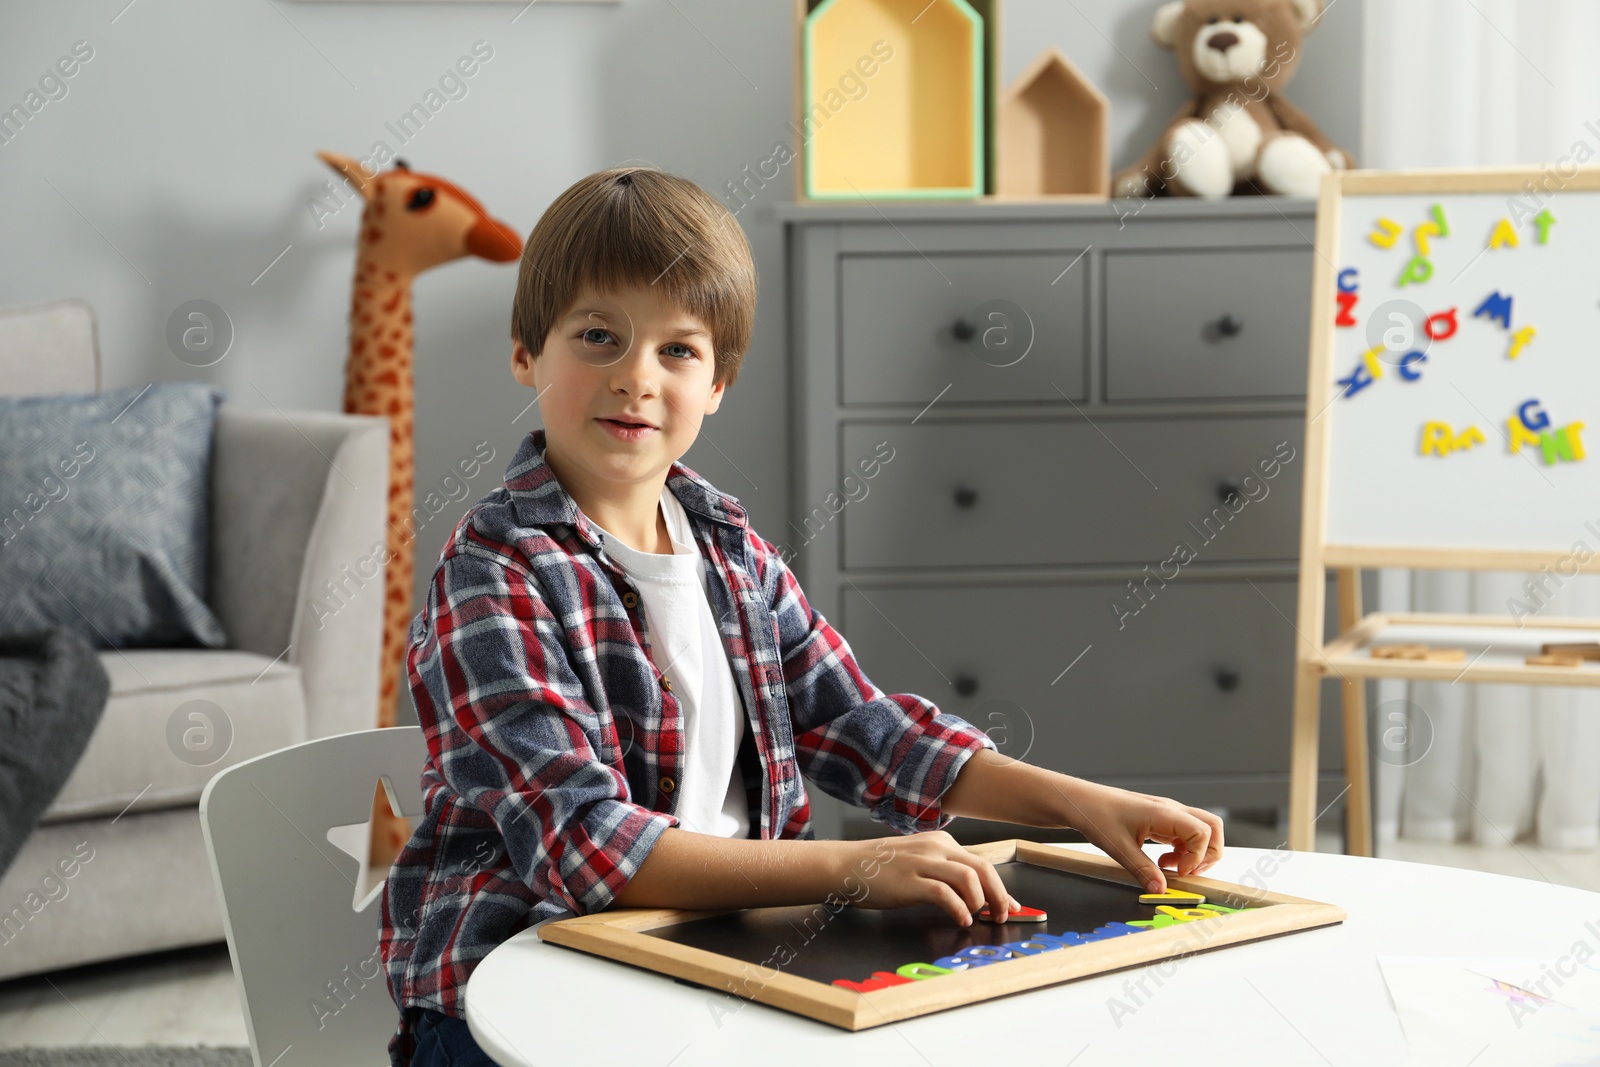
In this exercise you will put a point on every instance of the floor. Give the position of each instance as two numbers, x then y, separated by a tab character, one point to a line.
187	997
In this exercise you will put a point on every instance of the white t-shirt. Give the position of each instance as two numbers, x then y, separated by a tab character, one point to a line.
688	651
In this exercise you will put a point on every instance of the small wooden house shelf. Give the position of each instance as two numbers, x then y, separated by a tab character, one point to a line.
1054	136
918	130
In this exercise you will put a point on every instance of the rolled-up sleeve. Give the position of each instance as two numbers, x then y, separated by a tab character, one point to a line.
894	754
517	736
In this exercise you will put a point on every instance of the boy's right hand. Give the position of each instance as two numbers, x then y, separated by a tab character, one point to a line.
923	868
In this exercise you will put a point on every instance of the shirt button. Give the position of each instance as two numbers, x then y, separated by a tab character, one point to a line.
666	683
630	598
668	785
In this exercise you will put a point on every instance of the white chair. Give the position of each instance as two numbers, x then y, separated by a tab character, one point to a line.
305	959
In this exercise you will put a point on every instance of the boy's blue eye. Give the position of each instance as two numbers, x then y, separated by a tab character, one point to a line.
688	353
595	329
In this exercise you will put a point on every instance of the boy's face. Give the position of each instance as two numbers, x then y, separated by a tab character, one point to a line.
629	356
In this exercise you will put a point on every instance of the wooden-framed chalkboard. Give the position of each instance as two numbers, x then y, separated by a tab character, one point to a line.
790	958
1451	401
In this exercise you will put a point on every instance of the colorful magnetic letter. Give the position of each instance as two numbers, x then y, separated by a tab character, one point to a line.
1505	235
1187	913
984	952
1544	220
879	980
1498	307
1358	380
961	963
1347	304
1439	439
1520	340
1349	280
1421	235
1446	328
1419	270
1562	444
920	971
1533	415
1439	220
1173	896
1519	436
1387	233
1032	947
1021	915
1405	365
1436	438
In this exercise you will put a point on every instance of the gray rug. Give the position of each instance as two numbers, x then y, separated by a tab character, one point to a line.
108	1056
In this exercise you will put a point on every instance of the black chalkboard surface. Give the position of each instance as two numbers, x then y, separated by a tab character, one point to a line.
854	942
790	957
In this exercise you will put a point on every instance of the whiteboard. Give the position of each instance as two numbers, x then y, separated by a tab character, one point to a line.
1381	490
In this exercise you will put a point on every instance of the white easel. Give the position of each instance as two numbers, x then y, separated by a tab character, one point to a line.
1373	500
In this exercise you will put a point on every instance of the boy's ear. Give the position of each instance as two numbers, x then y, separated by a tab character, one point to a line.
522	364
715	400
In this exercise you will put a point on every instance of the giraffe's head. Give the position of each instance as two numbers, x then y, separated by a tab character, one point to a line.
414	221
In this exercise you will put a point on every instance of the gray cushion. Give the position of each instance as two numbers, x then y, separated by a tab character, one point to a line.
104	514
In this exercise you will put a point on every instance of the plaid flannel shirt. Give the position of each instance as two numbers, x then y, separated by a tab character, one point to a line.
554	742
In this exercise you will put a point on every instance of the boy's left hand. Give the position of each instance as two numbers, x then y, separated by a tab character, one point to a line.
1119	821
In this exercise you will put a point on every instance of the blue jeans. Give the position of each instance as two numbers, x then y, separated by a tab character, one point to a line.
444	1041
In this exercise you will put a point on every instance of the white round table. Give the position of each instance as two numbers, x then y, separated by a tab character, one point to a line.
1316	997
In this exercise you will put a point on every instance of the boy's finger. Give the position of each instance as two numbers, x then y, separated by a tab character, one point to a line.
948	899
995	895
1213	820
1137	862
1189	835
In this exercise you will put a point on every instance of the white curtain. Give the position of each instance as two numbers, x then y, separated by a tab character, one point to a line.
1452	83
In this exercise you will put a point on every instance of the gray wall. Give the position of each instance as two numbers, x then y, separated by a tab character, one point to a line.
179	165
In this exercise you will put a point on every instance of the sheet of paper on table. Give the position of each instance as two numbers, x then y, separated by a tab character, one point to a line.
1497	1011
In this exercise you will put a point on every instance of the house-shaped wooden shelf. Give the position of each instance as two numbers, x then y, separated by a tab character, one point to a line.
914	126
1054	135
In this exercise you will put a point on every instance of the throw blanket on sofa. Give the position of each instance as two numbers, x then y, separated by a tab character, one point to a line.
53	691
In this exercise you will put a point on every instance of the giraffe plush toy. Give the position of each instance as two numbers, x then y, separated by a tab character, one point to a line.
410	222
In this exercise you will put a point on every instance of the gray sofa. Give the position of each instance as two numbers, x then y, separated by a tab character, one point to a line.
295	497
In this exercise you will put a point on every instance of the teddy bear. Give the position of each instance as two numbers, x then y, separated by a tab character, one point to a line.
1237	133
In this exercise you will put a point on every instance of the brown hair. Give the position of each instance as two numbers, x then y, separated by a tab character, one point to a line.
639	226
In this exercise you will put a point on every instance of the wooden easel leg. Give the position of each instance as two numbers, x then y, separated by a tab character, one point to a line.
1358	797
1303	757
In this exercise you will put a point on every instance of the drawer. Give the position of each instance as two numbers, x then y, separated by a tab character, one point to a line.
903	320
1207	324
1199	682
1042	492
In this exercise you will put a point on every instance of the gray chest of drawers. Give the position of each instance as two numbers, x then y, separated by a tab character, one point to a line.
1047	475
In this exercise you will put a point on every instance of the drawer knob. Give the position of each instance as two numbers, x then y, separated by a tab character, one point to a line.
963	330
966	685
1227	679
1230	325
965	496
1227	490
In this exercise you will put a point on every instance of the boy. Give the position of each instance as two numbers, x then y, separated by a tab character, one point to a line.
621	683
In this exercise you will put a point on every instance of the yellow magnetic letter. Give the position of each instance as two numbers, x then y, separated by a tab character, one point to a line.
1438	438
1518	435
1422	233
1505	235
1519	341
1386	234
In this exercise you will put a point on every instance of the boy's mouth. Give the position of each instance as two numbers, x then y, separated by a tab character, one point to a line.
627	427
